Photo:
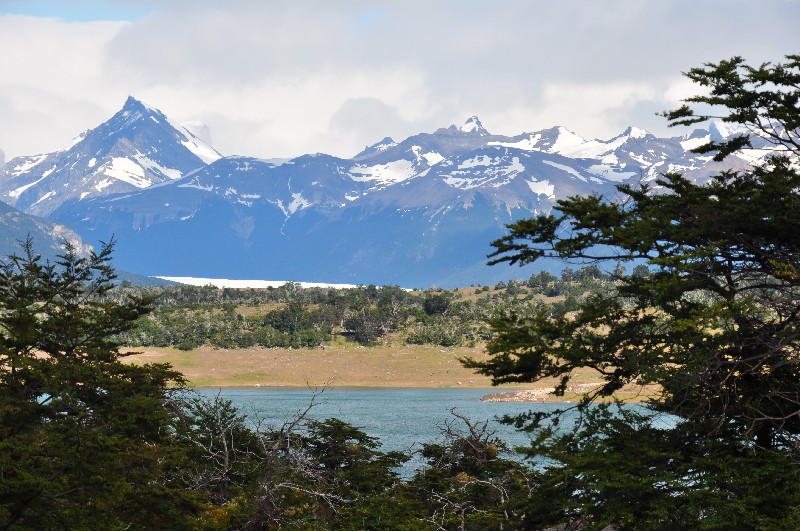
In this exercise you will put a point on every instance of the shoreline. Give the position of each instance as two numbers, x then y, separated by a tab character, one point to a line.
342	387
544	395
342	367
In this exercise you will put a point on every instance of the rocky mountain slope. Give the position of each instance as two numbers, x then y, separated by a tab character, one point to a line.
48	237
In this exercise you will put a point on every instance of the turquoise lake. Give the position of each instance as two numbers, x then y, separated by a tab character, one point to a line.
400	419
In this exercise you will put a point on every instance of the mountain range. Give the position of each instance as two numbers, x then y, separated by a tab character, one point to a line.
418	212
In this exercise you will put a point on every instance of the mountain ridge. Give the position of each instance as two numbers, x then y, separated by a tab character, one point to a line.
418	212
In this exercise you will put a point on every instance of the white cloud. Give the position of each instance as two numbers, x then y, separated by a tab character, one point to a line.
275	79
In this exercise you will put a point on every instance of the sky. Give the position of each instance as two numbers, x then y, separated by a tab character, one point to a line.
277	79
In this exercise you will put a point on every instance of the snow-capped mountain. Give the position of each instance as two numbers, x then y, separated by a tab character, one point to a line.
418	212
137	148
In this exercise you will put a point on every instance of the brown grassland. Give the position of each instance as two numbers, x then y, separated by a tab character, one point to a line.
354	366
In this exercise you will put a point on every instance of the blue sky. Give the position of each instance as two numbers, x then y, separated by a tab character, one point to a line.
281	78
76	10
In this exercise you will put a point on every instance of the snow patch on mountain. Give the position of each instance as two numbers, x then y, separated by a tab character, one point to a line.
694	143
565	168
495	174
100	186
722	130
243	284
526	144
757	156
513	168
191	142
203	152
472	128
389	173
28	163
542	188
635	132
21	189
384	144
45	197
481	160
571	145
298	203
127	171
608	172
197	186
431	158
568	142
149	164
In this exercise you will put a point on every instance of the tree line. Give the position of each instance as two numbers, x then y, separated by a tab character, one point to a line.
289	316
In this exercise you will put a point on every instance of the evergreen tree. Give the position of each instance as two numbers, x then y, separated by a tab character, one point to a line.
714	324
83	436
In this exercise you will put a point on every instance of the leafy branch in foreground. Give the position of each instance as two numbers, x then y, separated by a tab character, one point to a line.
763	100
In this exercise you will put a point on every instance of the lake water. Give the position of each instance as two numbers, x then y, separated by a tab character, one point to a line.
400	419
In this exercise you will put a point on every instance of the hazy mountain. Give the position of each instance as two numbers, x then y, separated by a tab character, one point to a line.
49	241
48	237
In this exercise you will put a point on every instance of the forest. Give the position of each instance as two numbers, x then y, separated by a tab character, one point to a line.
186	317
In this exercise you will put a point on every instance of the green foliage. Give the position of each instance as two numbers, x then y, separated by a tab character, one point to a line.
623	467
83	436
711	315
87	441
468	483
189	317
722	300
437	331
436	303
763	99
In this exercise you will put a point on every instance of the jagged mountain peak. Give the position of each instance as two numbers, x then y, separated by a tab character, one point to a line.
635	132
139	146
472	127
377	147
134	109
138	118
722	130
132	104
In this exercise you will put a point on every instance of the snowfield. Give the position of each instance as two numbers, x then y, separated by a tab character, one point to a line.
228	283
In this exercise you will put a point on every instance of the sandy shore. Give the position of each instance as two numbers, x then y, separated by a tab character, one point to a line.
629	393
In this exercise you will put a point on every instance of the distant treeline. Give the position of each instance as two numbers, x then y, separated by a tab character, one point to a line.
289	316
